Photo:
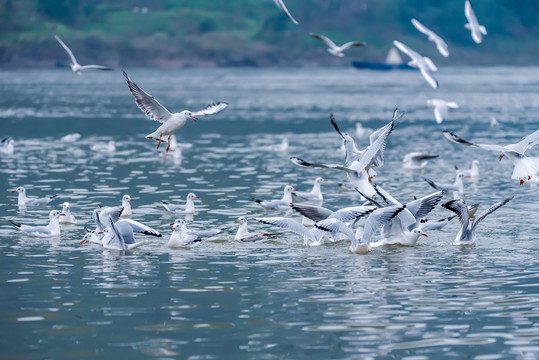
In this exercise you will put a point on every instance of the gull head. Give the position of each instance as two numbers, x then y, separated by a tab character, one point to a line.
65	207
192	196
127	198
55	214
241	220
419	232
178	222
320	180
189	114
20	189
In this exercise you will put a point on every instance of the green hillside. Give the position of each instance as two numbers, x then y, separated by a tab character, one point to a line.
174	33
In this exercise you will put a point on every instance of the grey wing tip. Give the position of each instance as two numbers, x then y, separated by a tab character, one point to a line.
52	196
298	161
164	202
431	183
256	201
16	224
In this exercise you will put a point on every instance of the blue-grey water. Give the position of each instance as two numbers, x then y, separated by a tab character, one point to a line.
278	299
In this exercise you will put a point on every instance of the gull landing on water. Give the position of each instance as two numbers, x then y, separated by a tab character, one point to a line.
171	121
473	25
423	63
333	48
440	43
441	108
75	66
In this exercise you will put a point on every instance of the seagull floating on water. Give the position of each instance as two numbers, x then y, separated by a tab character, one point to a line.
441	108
457	188
171	121
315	195
473	172
187	208
186	236
466	234
66	217
24	201
433	37
281	204
74	64
7	146
334	49
70	137
525	167
473	25
52	229
423	63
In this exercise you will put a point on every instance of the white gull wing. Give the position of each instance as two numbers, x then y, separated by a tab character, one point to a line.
211	109
67	49
127	227
318	213
147	103
470	14
379	218
291	225
405	49
116	240
526	143
352	152
420	208
336	226
95	67
458	140
459	208
315	213
283	8
432	36
375	150
489	211
325	39
352	44
429	76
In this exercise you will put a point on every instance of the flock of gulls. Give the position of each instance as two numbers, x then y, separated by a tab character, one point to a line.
401	223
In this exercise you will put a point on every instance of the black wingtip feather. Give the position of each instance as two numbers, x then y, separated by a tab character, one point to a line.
256	200
16	224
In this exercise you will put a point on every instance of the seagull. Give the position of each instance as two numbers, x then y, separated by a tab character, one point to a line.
494	123
24	201
362	132
315	195
200	234
441	108
7	146
282	147
473	172
278	204
311	237
466	234
525	167
104	148
283	8
360	244
75	65
52	229
473	24
245	236
187	208
179	238
171	121
126	204
67	217
428	225
416	160
423	63
433	37
119	236
457	188
334	49
318	213
70	137
405	229
100	217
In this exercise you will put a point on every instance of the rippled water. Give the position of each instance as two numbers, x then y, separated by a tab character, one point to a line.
271	300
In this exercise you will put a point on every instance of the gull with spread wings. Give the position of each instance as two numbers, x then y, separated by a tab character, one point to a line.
171	121
333	48
433	37
423	63
75	66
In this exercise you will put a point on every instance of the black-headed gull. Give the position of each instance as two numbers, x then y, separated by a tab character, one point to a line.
24	201
423	63
7	146
187	208
433	37
171	121
245	235
333	48
473	171
70	137
282	147
66	217
200	234
315	195
456	189
281	204
283	8
405	229
75	65
525	167
466	234
311	236
416	160
113	238
52	229
318	213
361	240
179	238
473	25
441	108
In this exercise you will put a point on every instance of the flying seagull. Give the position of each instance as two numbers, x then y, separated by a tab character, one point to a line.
432	36
423	63
334	49
473	25
75	66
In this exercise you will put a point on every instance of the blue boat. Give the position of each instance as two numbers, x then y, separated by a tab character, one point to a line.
393	62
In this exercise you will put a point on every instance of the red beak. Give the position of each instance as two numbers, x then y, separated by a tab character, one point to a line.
131	199
424	235
13	190
501	156
194	118
82	242
62	214
171	224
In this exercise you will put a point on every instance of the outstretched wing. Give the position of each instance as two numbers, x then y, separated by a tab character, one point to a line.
490	210
95	67
211	109
315	213
405	49
285	223
283	8
336	226
459	208
298	161
422	28
73	60
352	44
379	218
526	143
325	39
470	14
420	208
139	227
147	103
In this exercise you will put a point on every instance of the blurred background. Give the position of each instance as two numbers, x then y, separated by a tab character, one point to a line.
213	33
